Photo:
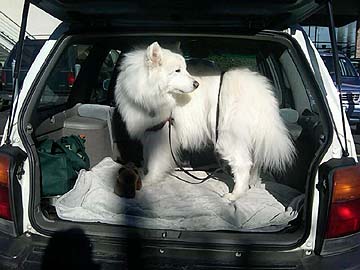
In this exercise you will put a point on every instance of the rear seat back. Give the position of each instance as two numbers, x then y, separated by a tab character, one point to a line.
89	120
101	125
94	122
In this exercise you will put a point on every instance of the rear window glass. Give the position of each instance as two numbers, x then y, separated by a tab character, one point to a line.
60	83
99	93
228	61
86	71
30	50
29	54
346	68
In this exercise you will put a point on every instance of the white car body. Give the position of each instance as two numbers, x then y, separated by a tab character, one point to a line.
331	95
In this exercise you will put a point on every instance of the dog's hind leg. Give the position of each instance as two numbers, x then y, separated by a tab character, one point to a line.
239	159
241	179
254	176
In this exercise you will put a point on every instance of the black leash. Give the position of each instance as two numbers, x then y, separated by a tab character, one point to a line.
201	179
218	108
187	172
160	125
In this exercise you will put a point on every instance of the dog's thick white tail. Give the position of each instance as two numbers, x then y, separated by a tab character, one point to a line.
250	107
274	150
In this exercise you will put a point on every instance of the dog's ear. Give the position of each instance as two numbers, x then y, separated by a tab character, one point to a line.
154	54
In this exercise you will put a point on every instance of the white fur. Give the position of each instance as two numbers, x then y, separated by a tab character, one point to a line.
252	135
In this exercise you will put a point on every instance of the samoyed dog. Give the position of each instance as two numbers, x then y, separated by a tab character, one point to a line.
154	84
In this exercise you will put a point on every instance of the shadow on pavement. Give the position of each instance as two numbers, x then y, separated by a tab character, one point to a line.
69	249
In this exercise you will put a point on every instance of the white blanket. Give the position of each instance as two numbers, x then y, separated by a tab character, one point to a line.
173	204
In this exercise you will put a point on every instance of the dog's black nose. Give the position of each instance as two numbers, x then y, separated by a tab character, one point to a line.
195	84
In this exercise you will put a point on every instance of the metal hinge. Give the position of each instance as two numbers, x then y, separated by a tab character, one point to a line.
29	129
20	171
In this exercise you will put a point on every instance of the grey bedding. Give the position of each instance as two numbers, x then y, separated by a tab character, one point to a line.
174	204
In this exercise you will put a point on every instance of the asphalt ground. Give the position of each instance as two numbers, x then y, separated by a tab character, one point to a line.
5	113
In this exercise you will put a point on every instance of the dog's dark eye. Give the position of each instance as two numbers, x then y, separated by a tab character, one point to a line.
178	70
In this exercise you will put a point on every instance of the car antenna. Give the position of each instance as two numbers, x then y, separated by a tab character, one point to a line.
337	72
19	51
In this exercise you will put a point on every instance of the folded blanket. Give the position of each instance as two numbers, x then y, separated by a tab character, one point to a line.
174	204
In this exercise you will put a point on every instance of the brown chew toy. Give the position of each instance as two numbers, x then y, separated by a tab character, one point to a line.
128	181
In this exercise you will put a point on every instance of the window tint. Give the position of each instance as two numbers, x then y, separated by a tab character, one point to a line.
30	51
29	54
328	61
228	61
59	84
100	91
346	68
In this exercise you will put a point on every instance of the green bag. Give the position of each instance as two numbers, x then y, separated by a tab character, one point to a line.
60	162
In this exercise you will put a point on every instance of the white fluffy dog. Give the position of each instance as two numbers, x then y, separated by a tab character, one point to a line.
153	84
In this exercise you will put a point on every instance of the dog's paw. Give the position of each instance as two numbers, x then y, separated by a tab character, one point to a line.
231	196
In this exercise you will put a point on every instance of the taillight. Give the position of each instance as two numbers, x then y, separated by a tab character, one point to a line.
4	203
344	215
5	211
70	79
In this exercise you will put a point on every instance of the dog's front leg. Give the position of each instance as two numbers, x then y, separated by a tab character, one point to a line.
157	156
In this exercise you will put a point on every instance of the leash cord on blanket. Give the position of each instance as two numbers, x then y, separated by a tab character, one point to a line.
201	179
210	175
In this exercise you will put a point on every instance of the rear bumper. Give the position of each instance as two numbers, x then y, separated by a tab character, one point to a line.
31	252
348	260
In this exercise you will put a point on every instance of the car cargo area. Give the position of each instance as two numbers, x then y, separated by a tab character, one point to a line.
75	96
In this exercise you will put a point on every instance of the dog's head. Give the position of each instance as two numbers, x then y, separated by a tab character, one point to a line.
153	78
168	70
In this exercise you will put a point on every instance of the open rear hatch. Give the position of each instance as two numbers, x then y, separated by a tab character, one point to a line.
242	15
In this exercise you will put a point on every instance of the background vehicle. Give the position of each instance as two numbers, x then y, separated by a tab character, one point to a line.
324	234
350	86
30	51
356	63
